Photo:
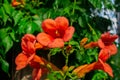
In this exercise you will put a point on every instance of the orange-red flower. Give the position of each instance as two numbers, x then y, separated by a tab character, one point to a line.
107	46
27	55
36	63
56	32
98	65
106	41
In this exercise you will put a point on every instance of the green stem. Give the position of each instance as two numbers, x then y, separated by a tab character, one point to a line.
94	33
49	55
66	62
74	7
66	57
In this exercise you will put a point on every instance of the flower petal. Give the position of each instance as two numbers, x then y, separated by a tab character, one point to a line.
44	38
28	41
104	54
28	37
62	23
100	65
57	43
21	61
107	37
101	43
38	46
30	57
49	26
36	74
68	33
106	68
112	49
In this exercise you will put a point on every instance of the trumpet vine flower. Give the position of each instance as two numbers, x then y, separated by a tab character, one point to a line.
56	32
107	46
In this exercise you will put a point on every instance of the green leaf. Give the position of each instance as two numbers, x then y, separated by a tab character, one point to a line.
54	51
56	75
22	24
72	42
7	43
8	9
81	21
51	76
13	36
17	15
6	40
6	1
3	15
4	65
100	75
32	27
96	3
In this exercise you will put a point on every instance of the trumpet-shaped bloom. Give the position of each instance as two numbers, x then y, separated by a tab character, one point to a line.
27	56
106	41
98	65
107	46
56	32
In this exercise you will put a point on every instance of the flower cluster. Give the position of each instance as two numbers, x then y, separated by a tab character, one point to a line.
55	33
107	49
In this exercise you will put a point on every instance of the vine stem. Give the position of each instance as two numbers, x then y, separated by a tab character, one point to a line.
66	62
66	57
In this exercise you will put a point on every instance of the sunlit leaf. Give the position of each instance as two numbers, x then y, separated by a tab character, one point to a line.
17	15
8	9
31	27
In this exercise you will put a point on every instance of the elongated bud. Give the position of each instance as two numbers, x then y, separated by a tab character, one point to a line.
65	68
83	41
91	45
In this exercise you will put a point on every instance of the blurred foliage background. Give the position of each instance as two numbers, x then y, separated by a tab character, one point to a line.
27	17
